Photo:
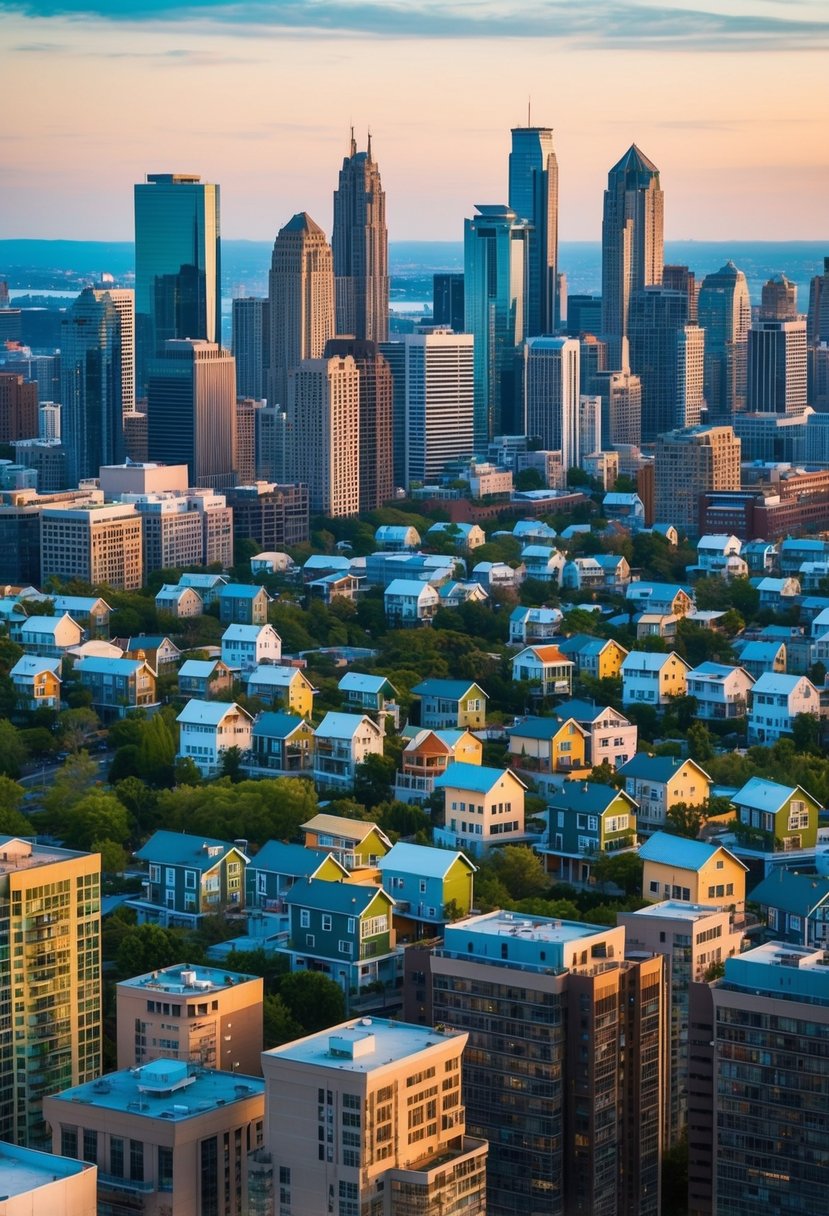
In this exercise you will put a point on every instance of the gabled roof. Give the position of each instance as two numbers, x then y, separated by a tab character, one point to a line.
149	641
584	644
245	633
202	580
713	673
545	616
799	894
346	898
681	852
411	586
30	665
199	669
585	711
588	796
760	651
420	859
452	690
474	777
541	728
47	625
111	667
760	794
271	674
545	652
172	591
656	768
277	726
209	713
341	825
545	552
358	681
657	591
294	859
343	726
241	591
650	660
779	683
177	848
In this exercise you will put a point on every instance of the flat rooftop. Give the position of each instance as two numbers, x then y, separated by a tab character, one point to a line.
674	909
20	853
164	1089
25	1169
780	970
183	980
529	928
361	1045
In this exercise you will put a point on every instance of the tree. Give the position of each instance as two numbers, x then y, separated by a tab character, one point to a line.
186	772
313	1000
373	779
684	820
232	764
146	948
520	870
700	742
158	751
76	726
96	816
13	753
113	855
12	821
279	1024
623	870
529	479
806	733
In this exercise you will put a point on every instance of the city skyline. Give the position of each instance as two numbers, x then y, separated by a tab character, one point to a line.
377	67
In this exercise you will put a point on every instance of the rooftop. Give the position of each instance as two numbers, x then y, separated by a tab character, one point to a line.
17	853
780	970
674	909
474	777
24	1169
172	1090
208	713
790	892
183	978
294	859
420	859
656	768
362	1045
453	690
764	795
177	848
681	852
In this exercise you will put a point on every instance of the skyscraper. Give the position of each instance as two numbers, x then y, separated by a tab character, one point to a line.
438	378
447	301
301	294
18	408
191	403
533	195
689	462
91	369
621	394
667	352
778	301
777	367
551	396
495	298
251	345
724	313
177	264
124	301
324	433
818	324
360	248
632	246
376	391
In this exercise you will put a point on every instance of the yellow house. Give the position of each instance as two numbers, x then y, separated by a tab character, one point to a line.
284	686
692	871
601	658
659	782
353	842
547	745
482	807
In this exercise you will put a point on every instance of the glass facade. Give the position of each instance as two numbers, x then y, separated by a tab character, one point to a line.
533	195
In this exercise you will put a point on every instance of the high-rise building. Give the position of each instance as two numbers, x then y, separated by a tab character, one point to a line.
725	315
777	367
564	1069
439	395
689	463
246	411
376	392
590	427
778	300
447	301
324	427
584	315
275	516
301	295
177	265
621	394
818	315
251	346
50	987
18	408
551	396
495	295
395	355
383	1103
682	278
91	370
632	246
98	545
271	444
124	301
191	406
48	420
533	195
359	244
666	351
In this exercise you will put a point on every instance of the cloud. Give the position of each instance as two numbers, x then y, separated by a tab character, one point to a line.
628	24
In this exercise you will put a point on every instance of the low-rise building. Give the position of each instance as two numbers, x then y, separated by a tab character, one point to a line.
544	563
189	877
464	537
341	742
585	821
787	815
627	509
692	871
246	646
37	682
47	636
714	550
408	601
397	538
277	866
160	652
657	783
666	599
600	658
482	807
545	669
430	887
354	842
547	746
759	657
720	691
208	729
530	625
650	678
777	593
177	601
343	929
369	694
774	703
117	685
451	703
204	678
795	907
207	585
240	604
611	737
285	686
427	755
282	745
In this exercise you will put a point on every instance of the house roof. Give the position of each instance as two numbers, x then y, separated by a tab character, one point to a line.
545	653
541	728
209	713
545	616
714	672
773	584
589	796
322	561
276	677
244	633
778	682
149	641
452	690
347	898
29	665
760	794
282	858
614	499
277	725
656	768
177	848
343	726
202	580
172	591
584	711
420	859
358	681
198	669
341	825
47	625
395	532
110	667
681	852
760	651
650	660
411	586
457	529
584	644
474	777
242	591
547	552
799	894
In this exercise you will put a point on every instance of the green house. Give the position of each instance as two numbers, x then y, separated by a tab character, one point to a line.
431	887
189	877
587	819
343	929
785	815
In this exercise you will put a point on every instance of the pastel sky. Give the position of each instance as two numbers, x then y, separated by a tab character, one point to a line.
728	97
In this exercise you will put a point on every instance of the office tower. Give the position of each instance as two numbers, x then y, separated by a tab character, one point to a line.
167	1137
275	516
447	301
136	436
495	294
271	444
632	246
251	345
563	1072
140	479
359	244
777	367
584	315
551	396
682	278
171	532
376	390
91	369
48	420
819	377
621	394
124	302
818	315
771	1084
246	411
301	296
383	1103
778	300
97	545
324	425
48	458
667	354
590	426
439	380
592	360
688	464
177	265
533	196
4	293
44	370
724	313
395	355
50	914
18	408
191	408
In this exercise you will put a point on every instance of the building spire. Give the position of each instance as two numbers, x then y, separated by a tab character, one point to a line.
368	145
353	142
529	111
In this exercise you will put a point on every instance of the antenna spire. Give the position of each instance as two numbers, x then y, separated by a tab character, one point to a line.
353	143
529	111
368	146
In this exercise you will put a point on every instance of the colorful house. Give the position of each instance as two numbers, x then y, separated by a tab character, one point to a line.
341	742
157	649
649	678
47	636
795	907
354	842
692	872
451	703
277	866
720	691
344	930
204	678
663	598
180	602
189	877
117	685
281	745
547	745
207	585
37	682
430	887
482	807
611	737
786	814
409	601
240	604
546	669
586	820
285	686
427	755
207	729
600	658
758	657
530	625
656	783
774	703
246	646
367	693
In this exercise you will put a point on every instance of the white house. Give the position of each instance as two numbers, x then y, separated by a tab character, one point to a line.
533	531
207	585
776	700
37	681
713	551
408	601
649	678
463	536
607	571
662	598
774	592
454	593
51	636
721	691
271	563
341	742
179	601
246	646
546	668
627	509
528	625
542	562
498	575
397	538
207	729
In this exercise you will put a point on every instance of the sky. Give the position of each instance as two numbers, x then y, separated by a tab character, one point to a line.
728	97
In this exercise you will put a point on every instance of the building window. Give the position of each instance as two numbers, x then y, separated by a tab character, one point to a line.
90	1146
116	1156
304	918
69	1142
165	1168
209	1177
170	876
155	873
326	922
137	1160
190	879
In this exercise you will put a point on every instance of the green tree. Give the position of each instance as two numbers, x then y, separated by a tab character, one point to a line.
157	751
113	855
684	820
279	1024
700	742
520	870
76	727
186	772
12	821
98	815
806	733
373	779
146	948
623	870
232	764
13	752
313	1000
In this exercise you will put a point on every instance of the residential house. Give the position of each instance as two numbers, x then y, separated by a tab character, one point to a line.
337	585
611	737
37	682
600	658
627	509
721	691
189	877
354	842
533	531
775	701
454	593
691	871
208	729
204	678
656	783
409	601
542	562
464	537
430	888
795	907
530	625
820	619
157	649
427	755
341	742
47	636
601	572
656	625
813	576
452	703
760	555
177	601
285	686
319	564
91	612
668	532
795	550
271	563
397	538
786	814
282	745
240	604
664	599
777	593
247	646
277	866
344	930
482	807
546	669
207	585
649	678
713	552
117	685
499	576
547	746
585	821
758	657
369	694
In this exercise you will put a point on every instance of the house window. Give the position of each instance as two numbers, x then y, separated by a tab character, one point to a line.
326	922
345	948
655	887
170	876
261	883
352	924
421	887
155	873
190	879
773	918
304	918
794	923
310	940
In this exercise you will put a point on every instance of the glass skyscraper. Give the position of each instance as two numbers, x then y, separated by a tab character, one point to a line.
177	264
91	384
533	195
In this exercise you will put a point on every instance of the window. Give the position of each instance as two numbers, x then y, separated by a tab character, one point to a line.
326	922
165	1168
421	886
90	1146
190	879
68	1142
155	873
304	918
209	1178
345	948
169	876
137	1160
310	939
116	1156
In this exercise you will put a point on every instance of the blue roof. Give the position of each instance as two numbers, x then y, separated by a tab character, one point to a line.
179	849
760	651
241	591
358	681
350	898
583	711
294	859
453	690
655	768
537	728
588	796
763	795
473	777
681	852
420	859
110	667
200	669
276	725
796	893
163	1090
